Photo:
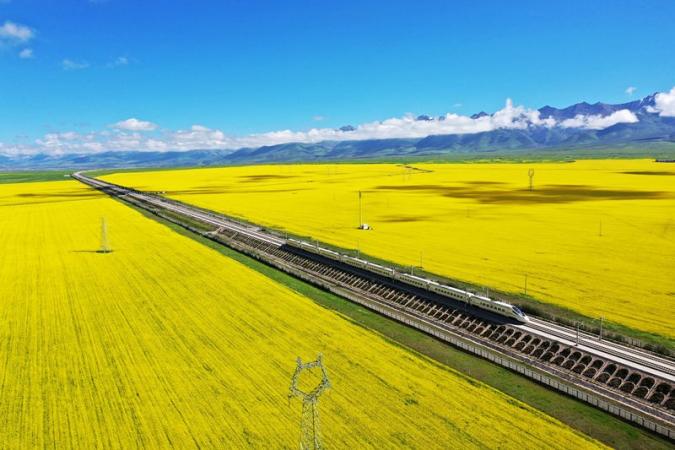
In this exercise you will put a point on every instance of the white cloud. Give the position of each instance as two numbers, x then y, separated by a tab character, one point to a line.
26	53
197	137
598	122
664	104
133	124
66	142
156	145
318	118
630	90
119	61
69	64
14	33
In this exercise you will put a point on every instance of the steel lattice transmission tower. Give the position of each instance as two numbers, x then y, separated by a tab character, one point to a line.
105	246
310	438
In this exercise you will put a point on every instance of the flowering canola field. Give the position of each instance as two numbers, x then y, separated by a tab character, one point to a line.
165	343
595	236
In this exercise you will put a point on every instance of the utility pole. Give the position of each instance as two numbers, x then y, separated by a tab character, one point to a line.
525	284
601	320
530	173
360	212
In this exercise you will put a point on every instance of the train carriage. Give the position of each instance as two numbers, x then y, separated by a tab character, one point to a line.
479	301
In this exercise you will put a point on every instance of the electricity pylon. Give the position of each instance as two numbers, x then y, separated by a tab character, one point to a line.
310	436
105	246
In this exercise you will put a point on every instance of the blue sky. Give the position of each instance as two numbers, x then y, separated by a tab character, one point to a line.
240	67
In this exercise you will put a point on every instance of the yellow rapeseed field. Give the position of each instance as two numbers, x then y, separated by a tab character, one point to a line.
595	236
165	343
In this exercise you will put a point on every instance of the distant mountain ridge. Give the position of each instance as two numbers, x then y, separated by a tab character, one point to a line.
602	109
649	131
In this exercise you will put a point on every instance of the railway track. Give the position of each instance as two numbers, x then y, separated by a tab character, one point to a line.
637	378
648	362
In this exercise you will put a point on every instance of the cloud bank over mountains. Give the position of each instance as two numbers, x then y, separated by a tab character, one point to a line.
135	134
664	103
599	122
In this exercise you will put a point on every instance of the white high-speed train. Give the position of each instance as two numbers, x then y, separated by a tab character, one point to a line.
479	301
